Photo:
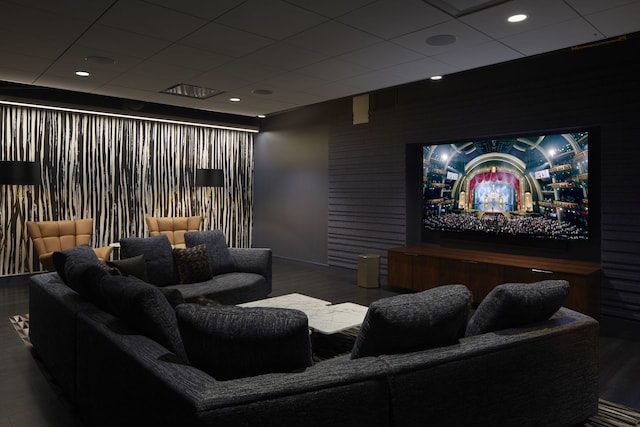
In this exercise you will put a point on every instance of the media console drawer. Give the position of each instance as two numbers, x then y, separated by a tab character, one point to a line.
424	267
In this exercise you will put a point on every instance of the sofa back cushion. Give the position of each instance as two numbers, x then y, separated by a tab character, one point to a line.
220	259
232	342
82	252
144	308
512	305
413	322
158	257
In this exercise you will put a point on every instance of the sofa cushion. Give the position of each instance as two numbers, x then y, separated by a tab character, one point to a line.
512	305
158	256
81	275
413	322
84	252
232	342
134	266
192	264
144	308
220	258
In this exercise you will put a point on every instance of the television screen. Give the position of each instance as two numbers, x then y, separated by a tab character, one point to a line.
534	185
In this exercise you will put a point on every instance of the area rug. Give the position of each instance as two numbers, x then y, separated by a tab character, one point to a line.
21	324
327	346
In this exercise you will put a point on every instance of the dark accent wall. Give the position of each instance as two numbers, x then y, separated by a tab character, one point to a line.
367	192
290	186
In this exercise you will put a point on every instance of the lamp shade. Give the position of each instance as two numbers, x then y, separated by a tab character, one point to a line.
15	172
209	178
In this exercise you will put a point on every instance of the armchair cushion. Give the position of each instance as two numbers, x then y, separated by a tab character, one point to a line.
220	258
158	256
232	342
173	227
516	304
412	322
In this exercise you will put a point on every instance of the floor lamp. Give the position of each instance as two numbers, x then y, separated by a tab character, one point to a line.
209	178
18	173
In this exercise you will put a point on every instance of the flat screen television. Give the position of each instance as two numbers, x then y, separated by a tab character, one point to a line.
530	189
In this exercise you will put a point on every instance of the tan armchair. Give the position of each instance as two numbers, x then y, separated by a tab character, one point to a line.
51	236
173	227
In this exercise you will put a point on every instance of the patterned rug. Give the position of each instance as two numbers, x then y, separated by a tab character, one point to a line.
21	324
327	346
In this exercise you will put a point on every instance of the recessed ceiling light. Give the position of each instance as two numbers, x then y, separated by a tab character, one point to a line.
436	77
234	99
82	73
517	18
441	40
261	116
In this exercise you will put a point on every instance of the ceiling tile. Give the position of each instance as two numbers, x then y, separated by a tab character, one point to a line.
372	81
69	83
74	60
381	55
17	75
293	81
17	61
226	41
540	40
465	37
123	42
332	70
332	38
392	18
421	69
479	56
144	18
541	13
190	57
284	56
149	76
587	7
206	9
271	18
31	45
330	8
616	22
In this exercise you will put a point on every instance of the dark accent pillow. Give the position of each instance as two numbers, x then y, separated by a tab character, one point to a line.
84	252
233	342
144	308
220	258
158	256
414	322
192	264
134	266
517	304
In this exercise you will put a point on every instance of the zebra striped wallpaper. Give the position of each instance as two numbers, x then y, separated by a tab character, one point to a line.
118	170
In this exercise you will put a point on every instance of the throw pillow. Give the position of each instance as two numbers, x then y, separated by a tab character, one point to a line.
158	256
516	304
220	258
84	252
144	308
233	342
413	322
134	266
192	264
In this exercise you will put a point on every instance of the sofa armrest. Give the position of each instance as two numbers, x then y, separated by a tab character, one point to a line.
253	260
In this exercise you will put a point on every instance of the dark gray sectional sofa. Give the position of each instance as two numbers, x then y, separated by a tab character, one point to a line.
114	367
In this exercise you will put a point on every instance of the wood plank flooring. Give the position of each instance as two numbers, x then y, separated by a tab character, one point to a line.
28	399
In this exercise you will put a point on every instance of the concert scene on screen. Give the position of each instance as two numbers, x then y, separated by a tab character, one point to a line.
533	185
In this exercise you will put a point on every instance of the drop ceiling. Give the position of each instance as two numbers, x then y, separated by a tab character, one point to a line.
278	55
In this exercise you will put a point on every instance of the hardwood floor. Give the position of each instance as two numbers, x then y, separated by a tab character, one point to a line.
28	399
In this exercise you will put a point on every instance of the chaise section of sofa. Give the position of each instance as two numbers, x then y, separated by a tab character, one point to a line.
544	374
